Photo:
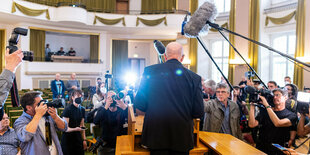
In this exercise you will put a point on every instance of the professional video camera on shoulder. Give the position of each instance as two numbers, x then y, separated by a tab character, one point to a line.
254	95
13	41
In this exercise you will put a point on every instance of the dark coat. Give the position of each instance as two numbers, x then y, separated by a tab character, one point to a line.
54	89
171	97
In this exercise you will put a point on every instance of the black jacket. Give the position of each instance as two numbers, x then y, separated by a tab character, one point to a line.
171	96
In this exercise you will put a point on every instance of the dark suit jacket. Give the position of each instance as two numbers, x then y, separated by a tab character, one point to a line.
54	89
171	96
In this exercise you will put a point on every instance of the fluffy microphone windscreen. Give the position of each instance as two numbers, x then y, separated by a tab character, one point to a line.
197	23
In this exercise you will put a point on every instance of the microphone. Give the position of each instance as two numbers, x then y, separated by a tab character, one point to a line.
184	23
159	47
197	24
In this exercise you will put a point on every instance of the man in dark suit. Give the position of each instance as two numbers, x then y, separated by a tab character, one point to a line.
171	97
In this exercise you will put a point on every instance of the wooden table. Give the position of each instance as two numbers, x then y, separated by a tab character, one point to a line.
59	58
227	144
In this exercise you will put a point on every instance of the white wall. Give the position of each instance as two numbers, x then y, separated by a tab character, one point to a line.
80	43
144	49
47	70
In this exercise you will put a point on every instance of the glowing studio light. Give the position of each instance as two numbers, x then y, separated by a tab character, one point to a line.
131	78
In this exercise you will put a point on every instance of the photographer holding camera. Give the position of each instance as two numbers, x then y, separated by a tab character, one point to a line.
36	127
275	122
111	118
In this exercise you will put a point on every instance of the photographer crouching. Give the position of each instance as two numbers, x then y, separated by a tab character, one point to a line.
274	122
36	127
111	118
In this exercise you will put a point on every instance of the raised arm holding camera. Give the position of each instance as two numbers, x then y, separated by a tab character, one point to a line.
36	127
275	122
12	61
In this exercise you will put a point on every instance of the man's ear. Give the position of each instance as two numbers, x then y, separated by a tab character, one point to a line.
182	58
165	56
28	108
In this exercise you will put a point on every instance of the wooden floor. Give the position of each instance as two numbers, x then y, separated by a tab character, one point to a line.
305	147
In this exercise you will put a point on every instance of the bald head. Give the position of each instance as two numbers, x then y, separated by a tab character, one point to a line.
174	50
73	76
57	76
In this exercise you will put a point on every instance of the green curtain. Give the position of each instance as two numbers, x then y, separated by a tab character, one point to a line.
2	49
108	6
94	48
158	6
37	44
254	33
225	25
166	42
119	61
110	21
151	22
300	43
280	20
28	11
193	43
232	23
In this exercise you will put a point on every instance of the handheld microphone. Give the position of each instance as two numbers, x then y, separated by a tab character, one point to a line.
197	24
184	23
159	47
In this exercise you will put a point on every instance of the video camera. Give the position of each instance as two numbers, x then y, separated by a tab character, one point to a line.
249	74
118	96
107	75
254	95
13	41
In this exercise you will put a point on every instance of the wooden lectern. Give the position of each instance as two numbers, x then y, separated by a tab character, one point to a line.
203	141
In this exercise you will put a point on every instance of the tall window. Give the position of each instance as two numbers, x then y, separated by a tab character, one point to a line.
220	52
222	5
273	2
280	66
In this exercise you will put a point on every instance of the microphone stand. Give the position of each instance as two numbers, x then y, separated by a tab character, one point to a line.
218	68
242	58
216	26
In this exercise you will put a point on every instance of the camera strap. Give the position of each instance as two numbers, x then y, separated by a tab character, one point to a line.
48	135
